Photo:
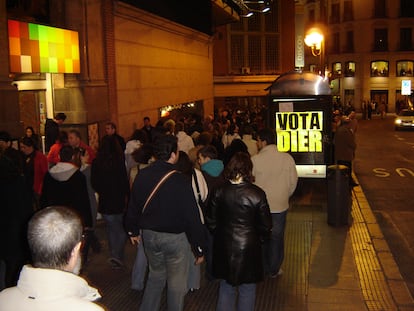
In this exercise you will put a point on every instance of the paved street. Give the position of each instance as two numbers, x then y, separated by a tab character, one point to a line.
384	165
326	268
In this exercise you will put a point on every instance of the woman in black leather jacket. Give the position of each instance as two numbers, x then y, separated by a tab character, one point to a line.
239	218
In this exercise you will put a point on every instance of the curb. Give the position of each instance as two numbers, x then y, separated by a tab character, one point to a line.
383	289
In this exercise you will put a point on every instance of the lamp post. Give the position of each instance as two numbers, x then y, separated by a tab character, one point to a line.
315	40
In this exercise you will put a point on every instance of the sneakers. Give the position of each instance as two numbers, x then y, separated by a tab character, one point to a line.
193	290
115	263
276	274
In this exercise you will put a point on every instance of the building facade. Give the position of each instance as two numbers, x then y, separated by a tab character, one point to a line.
133	62
250	54
369	49
145	59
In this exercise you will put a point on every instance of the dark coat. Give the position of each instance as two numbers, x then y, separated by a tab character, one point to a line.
51	133
112	185
72	192
16	210
172	209
239	217
345	144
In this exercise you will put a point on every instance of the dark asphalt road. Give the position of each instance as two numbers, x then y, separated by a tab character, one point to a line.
384	166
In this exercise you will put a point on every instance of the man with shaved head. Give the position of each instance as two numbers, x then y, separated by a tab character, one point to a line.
52	281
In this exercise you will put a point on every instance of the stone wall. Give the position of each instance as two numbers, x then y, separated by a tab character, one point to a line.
158	63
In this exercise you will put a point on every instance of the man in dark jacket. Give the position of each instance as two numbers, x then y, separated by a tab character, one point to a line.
170	224
148	128
345	146
110	130
16	156
16	209
65	185
52	129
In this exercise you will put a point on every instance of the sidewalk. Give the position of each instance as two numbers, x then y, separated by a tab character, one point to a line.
325	268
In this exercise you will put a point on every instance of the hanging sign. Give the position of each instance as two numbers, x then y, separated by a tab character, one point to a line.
406	87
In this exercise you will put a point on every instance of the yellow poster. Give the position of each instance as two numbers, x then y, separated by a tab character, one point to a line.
299	131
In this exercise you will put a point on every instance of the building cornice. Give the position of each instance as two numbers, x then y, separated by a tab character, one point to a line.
244	79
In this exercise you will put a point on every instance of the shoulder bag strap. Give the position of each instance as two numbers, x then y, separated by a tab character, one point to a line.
163	179
196	184
200	201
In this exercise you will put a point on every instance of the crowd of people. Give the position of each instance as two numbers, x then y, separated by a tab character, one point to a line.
187	192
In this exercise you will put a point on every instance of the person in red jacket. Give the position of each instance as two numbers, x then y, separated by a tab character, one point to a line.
53	155
34	170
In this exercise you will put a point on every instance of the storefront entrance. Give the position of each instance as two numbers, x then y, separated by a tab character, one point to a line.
379	97
32	110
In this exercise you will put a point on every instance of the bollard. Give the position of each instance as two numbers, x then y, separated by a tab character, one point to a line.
339	195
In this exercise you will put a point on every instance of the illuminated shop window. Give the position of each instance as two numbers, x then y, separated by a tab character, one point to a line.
379	68
405	68
349	69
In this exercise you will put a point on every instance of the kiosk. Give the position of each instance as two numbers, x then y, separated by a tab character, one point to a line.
300	110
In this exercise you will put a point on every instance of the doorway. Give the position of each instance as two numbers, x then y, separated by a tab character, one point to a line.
379	97
32	106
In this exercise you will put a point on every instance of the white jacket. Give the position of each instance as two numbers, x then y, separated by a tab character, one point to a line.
227	139
49	290
250	143
185	142
275	172
131	146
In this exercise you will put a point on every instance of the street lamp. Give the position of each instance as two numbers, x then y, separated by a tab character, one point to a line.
314	40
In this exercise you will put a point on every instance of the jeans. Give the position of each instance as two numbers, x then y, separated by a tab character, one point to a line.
140	268
193	272
209	257
168	261
274	248
116	235
228	294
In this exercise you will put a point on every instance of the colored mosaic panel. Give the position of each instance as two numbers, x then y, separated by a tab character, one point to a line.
39	48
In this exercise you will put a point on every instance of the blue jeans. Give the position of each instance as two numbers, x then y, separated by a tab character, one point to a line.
194	272
228	294
274	248
139	269
116	235
168	261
